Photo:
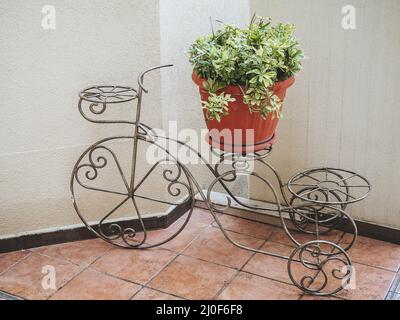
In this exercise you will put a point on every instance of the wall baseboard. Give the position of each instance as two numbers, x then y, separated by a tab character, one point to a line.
44	238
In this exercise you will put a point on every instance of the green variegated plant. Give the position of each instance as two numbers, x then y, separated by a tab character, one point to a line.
253	59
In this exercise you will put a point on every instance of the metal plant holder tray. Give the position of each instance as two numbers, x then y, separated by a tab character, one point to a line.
312	203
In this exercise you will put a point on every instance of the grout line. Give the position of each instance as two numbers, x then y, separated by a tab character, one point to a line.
158	290
372	266
266	277
80	272
178	254
15	263
363	263
244	234
64	284
216	263
145	285
237	232
240	269
254	253
116	277
64	259
227	283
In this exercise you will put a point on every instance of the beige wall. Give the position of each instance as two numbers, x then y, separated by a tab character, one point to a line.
344	109
42	133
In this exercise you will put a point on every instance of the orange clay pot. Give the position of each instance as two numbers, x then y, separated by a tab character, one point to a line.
239	119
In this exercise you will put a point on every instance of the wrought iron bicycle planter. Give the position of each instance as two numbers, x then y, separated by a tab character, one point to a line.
312	202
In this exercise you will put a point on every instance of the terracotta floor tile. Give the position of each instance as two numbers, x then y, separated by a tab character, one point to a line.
134	265
10	258
250	228
93	285
25	278
94	243
269	266
214	247
81	253
280	236
181	241
375	253
150	294
193	228
370	283
250	287
192	278
199	215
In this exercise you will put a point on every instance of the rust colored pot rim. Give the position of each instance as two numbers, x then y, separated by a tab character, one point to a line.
238	90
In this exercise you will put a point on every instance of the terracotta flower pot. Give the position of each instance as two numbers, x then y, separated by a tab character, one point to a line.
240	119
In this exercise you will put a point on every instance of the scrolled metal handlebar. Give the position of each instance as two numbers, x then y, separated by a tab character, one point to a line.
142	74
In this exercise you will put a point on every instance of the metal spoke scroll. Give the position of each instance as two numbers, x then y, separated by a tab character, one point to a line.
311	205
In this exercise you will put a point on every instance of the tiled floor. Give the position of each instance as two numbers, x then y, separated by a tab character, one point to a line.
199	264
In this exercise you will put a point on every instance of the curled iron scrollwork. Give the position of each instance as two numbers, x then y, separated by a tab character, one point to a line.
87	170
92	167
89	109
314	271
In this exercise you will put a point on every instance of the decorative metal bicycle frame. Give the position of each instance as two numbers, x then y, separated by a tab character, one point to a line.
311	204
